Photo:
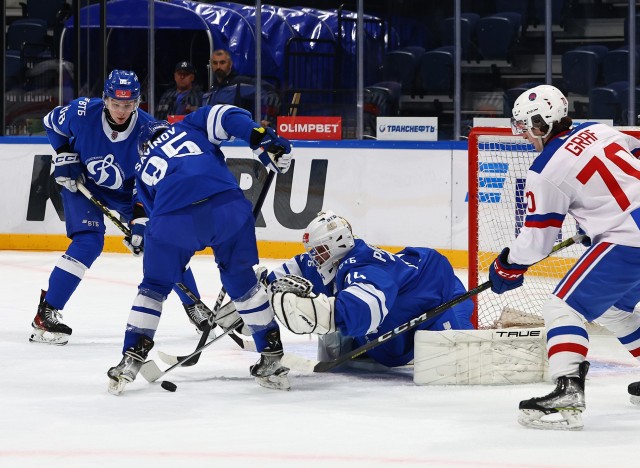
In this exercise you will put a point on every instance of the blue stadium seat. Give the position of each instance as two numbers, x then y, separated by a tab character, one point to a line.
600	50
400	66
495	38
435	71
516	20
468	24
604	102
26	30
417	51
615	65
580	71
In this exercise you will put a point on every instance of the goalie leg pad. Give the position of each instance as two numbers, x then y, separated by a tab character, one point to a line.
304	315
480	357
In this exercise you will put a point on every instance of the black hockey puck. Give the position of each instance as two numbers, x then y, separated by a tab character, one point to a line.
169	386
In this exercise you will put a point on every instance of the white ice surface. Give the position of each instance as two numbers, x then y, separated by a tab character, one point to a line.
55	410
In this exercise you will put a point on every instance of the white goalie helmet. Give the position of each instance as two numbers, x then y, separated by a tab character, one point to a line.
327	239
538	107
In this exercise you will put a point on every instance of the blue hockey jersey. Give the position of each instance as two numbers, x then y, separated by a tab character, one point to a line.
185	165
109	156
377	291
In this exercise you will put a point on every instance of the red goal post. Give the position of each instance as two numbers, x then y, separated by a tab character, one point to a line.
498	163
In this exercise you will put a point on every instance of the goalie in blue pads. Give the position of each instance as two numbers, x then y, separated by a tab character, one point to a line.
362	292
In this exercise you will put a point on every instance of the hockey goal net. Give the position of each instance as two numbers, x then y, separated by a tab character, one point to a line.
498	164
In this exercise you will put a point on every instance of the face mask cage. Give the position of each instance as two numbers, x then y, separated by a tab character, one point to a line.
519	127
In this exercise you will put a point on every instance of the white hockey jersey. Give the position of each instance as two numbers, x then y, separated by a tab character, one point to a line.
591	174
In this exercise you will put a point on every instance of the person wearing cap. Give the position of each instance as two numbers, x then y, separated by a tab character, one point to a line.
185	97
226	89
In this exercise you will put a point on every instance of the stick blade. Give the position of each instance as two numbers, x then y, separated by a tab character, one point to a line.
299	363
150	371
168	358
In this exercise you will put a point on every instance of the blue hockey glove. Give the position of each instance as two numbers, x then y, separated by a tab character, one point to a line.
505	276
135	243
272	150
586	240
67	170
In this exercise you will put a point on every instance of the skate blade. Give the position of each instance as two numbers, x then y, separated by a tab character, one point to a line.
274	382
45	337
116	387
634	399
563	420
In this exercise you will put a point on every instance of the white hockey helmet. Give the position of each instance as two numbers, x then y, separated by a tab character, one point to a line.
538	107
328	238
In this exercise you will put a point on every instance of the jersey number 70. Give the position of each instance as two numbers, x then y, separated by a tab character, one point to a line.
595	164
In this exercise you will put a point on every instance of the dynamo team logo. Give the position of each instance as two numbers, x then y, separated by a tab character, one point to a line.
105	172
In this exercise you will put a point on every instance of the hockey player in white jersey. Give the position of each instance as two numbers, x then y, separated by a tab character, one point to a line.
589	172
95	142
194	201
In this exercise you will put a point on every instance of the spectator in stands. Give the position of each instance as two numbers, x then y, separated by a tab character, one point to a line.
185	97
227	89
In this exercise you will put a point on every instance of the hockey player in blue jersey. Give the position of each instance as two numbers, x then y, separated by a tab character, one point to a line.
95	143
194	201
363	292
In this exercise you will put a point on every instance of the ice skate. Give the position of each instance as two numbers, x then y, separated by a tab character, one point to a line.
634	393
268	371
561	409
47	325
127	370
198	316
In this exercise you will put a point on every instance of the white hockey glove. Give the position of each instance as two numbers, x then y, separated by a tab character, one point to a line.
298	309
67	170
227	316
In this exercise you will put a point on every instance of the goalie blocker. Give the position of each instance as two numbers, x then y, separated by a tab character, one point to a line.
480	357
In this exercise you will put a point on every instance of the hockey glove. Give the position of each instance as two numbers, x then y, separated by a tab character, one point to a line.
505	276
135	243
67	170
272	150
586	240
302	314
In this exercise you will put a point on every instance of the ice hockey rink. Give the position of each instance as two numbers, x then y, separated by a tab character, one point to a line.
56	412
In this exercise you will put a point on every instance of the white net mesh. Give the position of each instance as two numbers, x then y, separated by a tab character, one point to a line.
503	162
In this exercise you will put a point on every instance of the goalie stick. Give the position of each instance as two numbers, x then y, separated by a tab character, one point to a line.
310	365
151	372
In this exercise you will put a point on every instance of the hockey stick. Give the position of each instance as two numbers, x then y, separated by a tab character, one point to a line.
127	232
151	372
309	365
210	323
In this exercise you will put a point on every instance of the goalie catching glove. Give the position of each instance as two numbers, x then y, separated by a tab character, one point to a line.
299	309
